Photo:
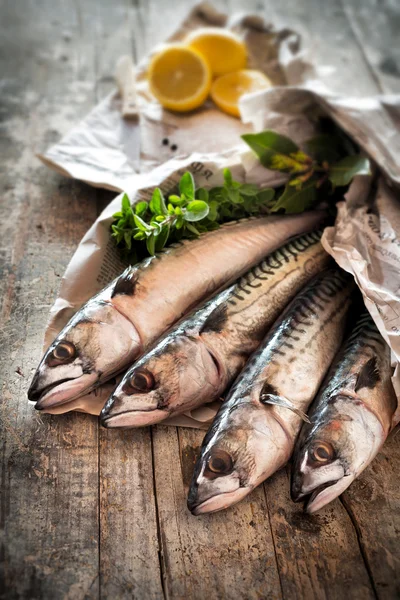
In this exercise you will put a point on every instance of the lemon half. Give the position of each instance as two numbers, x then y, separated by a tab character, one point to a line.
180	78
227	90
223	50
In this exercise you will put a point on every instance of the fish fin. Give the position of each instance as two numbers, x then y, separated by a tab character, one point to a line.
285	403
368	376
215	320
125	284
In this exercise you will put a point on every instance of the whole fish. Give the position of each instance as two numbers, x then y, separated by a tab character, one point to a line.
254	432
196	361
350	419
110	331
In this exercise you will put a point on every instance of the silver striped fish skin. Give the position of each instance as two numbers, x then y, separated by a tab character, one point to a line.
351	418
196	361
114	327
253	434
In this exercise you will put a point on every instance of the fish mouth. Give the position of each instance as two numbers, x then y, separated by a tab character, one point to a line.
59	392
319	497
218	502
133	418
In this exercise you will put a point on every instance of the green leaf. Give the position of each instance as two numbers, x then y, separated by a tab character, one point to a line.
269	146
324	148
343	171
192	229
234	196
140	235
248	189
128	240
202	194
126	203
151	245
265	196
157	203
213	210
162	238
177	200
140	224
186	185
227	177
296	201
117	215
196	210
140	208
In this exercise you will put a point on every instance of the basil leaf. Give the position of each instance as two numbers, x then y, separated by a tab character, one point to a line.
343	171
196	210
186	185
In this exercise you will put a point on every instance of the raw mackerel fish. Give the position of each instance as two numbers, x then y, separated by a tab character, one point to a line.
113	328
254	432
350	419
196	361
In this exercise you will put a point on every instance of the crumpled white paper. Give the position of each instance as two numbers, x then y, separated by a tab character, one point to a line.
365	238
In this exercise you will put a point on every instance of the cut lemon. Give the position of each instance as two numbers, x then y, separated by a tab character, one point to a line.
180	78
227	90
223	50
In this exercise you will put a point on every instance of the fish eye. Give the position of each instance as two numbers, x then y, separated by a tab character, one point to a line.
141	381
220	462
62	353
322	452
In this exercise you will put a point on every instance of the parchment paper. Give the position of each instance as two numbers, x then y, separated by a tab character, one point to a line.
365	238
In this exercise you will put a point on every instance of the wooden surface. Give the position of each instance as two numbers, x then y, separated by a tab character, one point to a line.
90	513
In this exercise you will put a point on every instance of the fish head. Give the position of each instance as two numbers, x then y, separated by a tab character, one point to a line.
92	348
179	374
331	453
242	449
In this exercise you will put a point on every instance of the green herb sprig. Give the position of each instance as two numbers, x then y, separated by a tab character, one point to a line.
331	162
187	214
321	171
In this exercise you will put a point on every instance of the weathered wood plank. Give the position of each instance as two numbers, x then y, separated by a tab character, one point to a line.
373	503
227	555
49	502
376	25
318	556
129	562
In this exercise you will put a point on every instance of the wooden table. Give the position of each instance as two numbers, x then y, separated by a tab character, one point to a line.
90	513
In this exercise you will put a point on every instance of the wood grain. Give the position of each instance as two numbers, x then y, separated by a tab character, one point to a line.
49	502
79	516
318	556
226	555
373	504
